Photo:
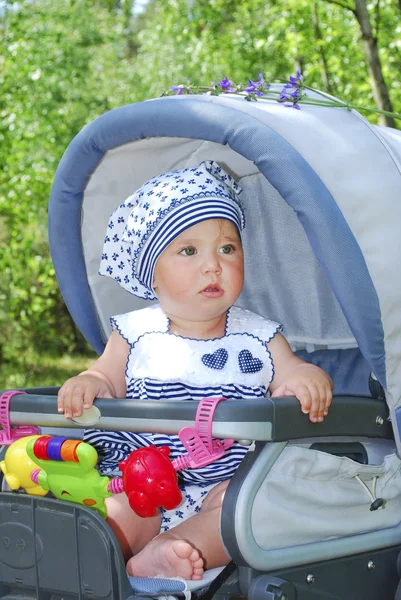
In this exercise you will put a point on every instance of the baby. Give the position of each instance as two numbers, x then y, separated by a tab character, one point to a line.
178	239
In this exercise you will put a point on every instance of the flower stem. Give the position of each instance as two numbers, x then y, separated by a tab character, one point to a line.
293	93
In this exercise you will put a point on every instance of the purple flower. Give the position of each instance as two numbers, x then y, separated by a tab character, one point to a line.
177	88
284	97
290	93
296	80
227	85
254	87
251	87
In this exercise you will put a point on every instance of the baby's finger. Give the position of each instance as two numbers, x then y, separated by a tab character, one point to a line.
77	400
304	396
89	396
60	400
67	401
282	390
314	413
322	402
329	398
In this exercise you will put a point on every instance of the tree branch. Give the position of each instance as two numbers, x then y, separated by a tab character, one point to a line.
339	3
377	19
379	87
321	48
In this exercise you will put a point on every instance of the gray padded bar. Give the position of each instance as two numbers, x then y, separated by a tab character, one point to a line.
276	419
356	416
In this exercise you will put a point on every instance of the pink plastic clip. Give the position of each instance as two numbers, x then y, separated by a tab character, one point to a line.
201	447
8	435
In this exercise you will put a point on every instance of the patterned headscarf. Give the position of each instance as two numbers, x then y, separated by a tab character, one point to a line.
160	210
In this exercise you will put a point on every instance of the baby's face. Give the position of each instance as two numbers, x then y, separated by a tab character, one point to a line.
201	273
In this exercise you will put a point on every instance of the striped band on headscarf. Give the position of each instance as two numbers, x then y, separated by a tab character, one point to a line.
175	223
160	210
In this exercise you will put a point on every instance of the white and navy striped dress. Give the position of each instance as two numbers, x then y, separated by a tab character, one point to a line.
164	366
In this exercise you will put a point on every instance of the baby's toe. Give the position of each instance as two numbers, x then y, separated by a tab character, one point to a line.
183	549
195	556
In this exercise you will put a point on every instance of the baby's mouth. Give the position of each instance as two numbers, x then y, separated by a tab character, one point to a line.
213	289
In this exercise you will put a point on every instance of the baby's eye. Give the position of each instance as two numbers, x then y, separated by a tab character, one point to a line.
190	251
227	249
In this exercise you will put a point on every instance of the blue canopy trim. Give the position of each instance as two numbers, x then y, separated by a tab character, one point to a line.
328	233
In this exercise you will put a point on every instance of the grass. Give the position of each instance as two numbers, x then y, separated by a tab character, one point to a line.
42	371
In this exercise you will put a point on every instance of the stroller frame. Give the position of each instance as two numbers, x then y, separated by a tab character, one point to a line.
53	549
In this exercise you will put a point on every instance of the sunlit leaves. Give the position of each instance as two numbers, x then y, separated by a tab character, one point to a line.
64	62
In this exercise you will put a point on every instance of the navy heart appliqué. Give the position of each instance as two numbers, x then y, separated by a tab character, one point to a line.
249	364
216	360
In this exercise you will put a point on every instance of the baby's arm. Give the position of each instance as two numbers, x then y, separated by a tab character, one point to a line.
294	377
104	379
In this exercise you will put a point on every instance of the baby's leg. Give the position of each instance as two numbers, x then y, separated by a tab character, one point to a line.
186	550
131	531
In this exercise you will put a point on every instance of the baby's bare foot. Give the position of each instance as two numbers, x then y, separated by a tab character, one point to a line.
166	556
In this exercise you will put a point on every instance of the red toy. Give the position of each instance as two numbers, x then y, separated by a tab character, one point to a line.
149	477
150	480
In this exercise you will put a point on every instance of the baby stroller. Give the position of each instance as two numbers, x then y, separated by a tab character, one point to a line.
314	511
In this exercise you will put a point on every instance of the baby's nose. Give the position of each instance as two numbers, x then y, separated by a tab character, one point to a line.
211	265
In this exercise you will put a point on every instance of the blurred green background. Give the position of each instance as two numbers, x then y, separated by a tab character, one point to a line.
64	62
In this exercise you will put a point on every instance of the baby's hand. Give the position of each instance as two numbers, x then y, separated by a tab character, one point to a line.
79	392
312	386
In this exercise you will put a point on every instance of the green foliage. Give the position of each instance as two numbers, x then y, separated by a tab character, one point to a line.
48	94
64	62
49	370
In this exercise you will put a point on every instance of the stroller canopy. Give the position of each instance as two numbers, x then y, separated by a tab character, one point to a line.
321	188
